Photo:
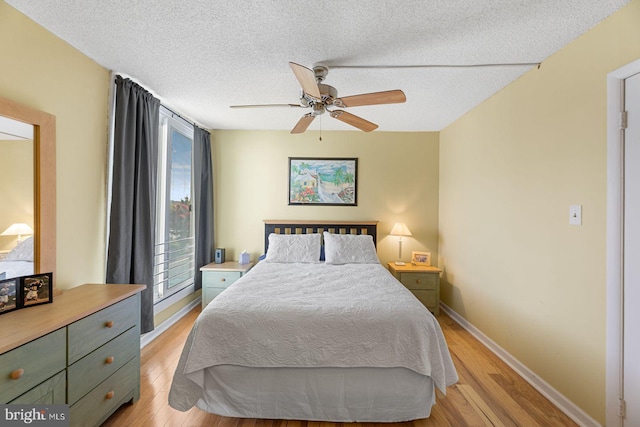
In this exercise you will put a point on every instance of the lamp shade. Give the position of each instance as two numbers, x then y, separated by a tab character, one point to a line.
400	229
17	229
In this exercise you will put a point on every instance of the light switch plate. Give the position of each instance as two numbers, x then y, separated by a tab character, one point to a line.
575	214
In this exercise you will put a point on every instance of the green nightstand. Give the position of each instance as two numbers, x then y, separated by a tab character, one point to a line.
218	277
422	281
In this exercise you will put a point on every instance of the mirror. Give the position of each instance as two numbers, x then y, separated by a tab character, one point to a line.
16	198
43	182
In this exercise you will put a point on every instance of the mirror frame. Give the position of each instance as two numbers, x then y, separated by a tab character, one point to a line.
44	149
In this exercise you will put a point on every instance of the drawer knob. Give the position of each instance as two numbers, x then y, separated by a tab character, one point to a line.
109	360
109	324
222	279
109	395
417	281
17	374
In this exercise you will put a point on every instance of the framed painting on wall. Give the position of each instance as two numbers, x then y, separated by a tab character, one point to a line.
323	181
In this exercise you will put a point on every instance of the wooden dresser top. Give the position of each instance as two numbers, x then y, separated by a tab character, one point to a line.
24	325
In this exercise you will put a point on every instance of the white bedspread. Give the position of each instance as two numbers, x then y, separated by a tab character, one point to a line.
16	268
313	315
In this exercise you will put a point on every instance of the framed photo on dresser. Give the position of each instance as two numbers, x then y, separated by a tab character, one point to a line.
36	289
9	294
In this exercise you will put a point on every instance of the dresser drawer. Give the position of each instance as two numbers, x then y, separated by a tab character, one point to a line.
50	392
419	280
33	363
219	279
95	330
101	363
92	408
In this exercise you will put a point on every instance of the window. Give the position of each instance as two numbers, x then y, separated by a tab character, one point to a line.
175	242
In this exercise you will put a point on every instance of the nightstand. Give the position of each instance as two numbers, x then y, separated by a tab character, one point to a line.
218	277
423	282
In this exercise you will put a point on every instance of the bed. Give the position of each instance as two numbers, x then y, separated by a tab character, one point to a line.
297	337
19	261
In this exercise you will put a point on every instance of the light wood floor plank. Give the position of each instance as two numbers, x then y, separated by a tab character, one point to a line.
488	391
480	406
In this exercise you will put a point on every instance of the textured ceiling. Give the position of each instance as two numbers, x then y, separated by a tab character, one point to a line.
201	56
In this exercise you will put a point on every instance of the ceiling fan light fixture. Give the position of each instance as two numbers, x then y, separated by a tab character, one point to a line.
318	109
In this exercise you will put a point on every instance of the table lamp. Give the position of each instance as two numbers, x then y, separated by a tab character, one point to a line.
400	229
18	229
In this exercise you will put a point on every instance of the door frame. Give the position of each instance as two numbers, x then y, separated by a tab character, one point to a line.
615	188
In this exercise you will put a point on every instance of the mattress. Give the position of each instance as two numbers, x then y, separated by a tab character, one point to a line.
305	323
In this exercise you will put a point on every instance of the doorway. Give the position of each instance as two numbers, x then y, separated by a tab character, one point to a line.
623	247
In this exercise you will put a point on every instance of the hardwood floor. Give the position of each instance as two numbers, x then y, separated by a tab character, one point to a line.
489	393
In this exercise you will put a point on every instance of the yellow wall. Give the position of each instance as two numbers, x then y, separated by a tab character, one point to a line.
509	170
397	181
44	72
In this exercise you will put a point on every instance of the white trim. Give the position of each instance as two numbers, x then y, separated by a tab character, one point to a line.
110	148
150	336
173	298
614	240
558	399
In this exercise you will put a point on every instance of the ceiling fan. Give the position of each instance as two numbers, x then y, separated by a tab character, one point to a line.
321	98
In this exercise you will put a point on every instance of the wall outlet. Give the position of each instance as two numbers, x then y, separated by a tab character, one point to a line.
575	214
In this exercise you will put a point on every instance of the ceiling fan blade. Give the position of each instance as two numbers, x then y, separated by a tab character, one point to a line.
307	79
375	98
303	123
354	120
267	106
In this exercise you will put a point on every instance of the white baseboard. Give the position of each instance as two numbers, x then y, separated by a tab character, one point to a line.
558	399
150	336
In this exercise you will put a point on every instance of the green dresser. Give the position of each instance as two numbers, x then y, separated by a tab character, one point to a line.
82	350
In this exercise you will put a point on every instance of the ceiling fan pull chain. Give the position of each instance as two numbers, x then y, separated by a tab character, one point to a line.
320	139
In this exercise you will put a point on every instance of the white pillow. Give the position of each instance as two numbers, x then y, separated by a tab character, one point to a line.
349	249
294	248
22	252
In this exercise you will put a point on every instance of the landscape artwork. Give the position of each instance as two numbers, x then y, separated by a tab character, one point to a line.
323	181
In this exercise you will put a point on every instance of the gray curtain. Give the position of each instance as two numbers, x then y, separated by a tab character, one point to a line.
130	257
203	198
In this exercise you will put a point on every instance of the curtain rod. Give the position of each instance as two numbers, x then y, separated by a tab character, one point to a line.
125	76
515	64
183	118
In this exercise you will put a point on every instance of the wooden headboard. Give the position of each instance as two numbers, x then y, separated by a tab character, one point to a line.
308	227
